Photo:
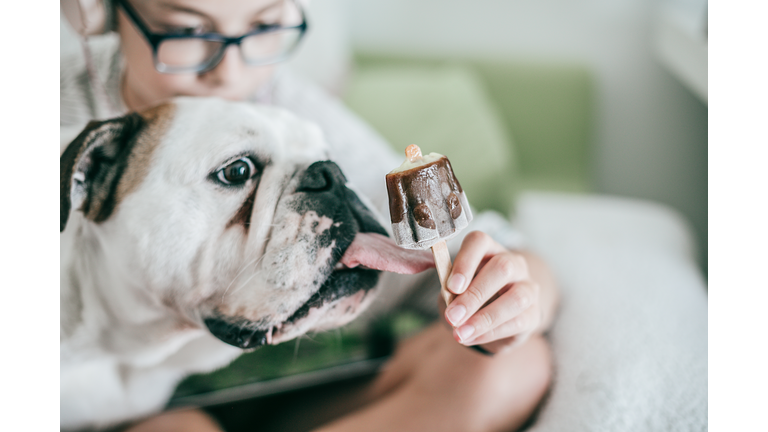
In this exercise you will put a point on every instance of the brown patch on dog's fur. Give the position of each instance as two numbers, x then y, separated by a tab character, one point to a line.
243	215
105	145
158	121
119	151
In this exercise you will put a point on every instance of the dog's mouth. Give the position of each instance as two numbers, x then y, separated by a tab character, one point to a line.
338	298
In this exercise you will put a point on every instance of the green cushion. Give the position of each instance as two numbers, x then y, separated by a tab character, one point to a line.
549	108
546	106
444	109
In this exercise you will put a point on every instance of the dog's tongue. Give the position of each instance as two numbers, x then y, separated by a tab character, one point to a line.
379	252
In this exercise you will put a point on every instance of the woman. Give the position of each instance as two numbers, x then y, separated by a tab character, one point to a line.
229	49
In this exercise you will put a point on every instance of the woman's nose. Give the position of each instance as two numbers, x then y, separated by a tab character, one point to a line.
230	69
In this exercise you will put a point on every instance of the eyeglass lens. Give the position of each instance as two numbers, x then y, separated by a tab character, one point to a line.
257	49
184	54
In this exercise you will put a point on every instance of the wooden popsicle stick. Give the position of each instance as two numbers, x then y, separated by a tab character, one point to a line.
444	266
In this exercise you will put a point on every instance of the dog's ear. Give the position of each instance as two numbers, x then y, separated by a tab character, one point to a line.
92	164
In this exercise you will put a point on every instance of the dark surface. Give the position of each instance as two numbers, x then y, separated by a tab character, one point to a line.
338	349
307	408
299	410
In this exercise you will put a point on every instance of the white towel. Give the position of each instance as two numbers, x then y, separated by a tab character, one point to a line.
630	340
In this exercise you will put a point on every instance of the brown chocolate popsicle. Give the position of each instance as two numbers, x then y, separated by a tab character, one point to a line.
427	207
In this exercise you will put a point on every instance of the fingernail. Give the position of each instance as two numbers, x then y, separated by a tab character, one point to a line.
456	313
465	332
456	283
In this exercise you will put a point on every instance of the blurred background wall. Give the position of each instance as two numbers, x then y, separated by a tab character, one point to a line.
650	131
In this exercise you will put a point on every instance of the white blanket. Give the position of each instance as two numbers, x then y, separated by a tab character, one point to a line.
630	340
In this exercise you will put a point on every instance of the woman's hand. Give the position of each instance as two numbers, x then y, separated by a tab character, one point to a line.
499	304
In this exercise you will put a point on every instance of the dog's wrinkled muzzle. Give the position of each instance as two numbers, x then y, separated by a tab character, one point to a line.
322	190
238	334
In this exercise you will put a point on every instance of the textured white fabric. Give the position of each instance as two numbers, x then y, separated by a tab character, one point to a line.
630	340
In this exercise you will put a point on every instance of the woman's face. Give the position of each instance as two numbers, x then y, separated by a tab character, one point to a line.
232	79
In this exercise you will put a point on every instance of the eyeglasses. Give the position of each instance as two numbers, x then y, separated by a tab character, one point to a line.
183	53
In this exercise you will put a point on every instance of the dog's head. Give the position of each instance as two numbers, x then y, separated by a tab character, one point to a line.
228	215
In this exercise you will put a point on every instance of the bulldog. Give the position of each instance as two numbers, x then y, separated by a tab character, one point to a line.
195	230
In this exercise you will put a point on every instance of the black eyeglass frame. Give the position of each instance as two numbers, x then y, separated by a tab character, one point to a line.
155	39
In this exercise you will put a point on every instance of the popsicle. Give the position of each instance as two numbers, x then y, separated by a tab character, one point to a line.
427	207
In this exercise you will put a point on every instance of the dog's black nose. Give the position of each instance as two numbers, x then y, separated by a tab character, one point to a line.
321	176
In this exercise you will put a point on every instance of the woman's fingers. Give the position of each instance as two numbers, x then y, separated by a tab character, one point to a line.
495	294
520	326
500	271
475	247
512	303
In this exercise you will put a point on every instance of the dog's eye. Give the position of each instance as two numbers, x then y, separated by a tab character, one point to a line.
237	172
